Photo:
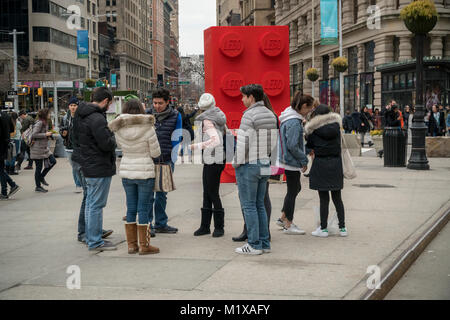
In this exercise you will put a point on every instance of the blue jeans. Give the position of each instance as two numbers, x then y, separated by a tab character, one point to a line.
12	163
81	217
139	195
75	169
159	199
97	196
252	182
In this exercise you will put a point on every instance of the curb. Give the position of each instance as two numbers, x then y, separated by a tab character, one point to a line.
395	266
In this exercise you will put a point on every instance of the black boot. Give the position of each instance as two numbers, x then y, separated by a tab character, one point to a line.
219	216
243	236
205	223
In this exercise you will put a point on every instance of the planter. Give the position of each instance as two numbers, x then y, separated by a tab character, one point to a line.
437	147
420	17
340	64
312	74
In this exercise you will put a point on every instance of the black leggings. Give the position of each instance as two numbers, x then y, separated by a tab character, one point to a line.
324	203
211	185
39	173
293	189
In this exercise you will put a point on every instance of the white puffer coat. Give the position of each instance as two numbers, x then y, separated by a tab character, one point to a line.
136	136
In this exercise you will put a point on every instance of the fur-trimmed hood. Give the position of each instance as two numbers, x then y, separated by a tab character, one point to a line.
125	120
322	120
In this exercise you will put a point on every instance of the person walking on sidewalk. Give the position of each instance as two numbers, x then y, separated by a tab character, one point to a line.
292	157
98	162
213	122
366	124
252	165
15	138
27	121
168	121
267	203
40	152
323	136
6	129
136	136
65	130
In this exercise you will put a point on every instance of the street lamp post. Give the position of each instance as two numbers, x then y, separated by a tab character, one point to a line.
418	159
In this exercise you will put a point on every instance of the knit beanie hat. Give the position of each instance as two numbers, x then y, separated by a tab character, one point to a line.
74	100
206	101
130	97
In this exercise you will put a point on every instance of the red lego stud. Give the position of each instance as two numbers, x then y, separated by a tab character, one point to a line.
231	44
231	84
271	44
273	83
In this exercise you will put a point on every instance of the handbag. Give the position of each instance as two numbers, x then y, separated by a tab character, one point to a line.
347	162
275	170
163	178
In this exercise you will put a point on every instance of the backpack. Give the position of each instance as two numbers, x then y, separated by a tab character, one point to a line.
27	136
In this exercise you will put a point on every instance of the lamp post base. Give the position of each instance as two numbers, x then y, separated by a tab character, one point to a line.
418	159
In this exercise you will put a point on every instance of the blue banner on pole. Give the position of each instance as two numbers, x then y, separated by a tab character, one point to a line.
329	22
82	44
113	80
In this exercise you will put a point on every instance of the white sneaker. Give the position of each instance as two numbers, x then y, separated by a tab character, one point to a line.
280	223
293	229
320	233
78	190
343	232
247	249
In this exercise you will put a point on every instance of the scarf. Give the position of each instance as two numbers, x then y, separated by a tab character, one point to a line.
160	116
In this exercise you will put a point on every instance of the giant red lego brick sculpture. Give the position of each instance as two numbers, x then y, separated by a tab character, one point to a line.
237	56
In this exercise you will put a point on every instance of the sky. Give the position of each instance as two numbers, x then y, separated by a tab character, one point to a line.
194	17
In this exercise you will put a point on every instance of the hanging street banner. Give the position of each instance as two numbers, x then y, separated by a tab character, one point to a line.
113	80
329	22
83	44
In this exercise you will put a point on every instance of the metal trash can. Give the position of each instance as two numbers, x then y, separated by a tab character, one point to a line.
395	146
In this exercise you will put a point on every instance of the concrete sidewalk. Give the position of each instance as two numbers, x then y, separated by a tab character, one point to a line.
384	207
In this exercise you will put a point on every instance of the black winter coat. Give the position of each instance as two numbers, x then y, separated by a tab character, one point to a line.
94	144
6	128
433	126
347	123
391	119
323	135
365	118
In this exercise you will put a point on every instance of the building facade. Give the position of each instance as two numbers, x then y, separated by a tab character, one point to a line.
47	52
257	12
370	80
131	22
228	13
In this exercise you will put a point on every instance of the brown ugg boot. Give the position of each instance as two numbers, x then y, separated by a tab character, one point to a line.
144	240
131	232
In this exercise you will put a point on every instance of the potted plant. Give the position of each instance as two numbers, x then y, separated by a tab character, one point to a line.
340	64
312	74
420	16
90	83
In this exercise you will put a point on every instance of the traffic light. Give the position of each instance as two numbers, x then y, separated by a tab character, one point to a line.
50	99
40	92
23	90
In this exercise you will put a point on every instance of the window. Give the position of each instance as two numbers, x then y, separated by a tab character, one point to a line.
108	18
88	7
325	67
94	45
114	18
93	9
94	27
355	11
41	6
108	2
113	2
41	34
369	56
396	45
353	60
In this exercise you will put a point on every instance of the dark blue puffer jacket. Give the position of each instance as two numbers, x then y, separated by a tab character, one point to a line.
164	131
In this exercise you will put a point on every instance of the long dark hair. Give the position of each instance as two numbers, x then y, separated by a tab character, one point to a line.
268	104
301	99
43	115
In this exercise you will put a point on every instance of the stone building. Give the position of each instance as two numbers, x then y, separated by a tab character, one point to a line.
380	59
228	13
257	12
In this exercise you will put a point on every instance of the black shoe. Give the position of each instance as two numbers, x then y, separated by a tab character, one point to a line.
82	238
13	190
205	223
44	182
242	237
370	144
219	215
3	197
166	229
306	175
29	167
40	189
106	233
380	154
